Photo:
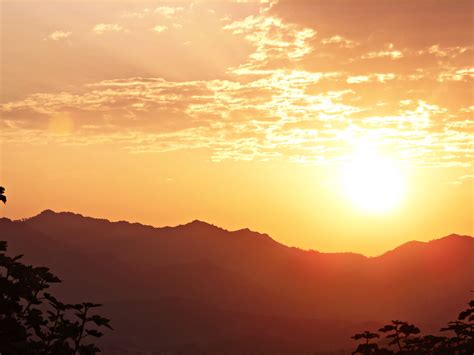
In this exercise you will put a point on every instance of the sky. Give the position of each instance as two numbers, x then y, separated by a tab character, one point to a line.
330	125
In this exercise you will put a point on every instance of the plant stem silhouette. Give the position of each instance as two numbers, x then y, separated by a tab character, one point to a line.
403	336
28	324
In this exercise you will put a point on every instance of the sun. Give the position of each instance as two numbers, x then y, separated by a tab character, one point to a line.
373	182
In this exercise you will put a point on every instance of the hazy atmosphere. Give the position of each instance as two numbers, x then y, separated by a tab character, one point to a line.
237	177
244	115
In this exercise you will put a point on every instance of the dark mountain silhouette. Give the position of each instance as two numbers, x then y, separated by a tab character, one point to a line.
197	288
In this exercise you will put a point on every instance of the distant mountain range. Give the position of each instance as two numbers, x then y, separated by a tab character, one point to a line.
200	289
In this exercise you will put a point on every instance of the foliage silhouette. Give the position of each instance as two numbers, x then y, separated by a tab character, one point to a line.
399	333
367	347
402	337
3	198
32	321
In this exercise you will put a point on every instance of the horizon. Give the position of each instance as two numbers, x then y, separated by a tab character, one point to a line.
133	223
326	128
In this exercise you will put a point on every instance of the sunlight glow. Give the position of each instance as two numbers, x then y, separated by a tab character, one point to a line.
373	182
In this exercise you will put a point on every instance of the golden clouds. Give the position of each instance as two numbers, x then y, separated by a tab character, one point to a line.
340	41
271	97
58	35
273	40
298	92
102	28
456	74
159	28
168	11
272	116
389	52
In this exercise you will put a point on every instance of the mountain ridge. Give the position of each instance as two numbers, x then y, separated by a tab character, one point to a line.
206	226
203	285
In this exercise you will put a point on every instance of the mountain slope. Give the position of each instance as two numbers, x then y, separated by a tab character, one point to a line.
200	286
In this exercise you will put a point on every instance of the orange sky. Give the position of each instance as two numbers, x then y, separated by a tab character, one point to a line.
240	114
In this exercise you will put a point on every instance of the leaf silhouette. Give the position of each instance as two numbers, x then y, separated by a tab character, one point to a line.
3	198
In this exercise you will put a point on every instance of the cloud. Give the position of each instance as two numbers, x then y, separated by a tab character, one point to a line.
340	41
389	52
101	28
379	77
168	11
273	40
159	28
294	96
273	116
357	79
456	74
443	52
58	35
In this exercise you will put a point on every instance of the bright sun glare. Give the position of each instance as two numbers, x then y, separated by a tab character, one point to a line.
373	182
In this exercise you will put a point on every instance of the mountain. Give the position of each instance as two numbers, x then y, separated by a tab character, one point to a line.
197	288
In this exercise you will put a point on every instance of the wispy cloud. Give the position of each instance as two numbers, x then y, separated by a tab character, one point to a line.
443	52
159	28
102	28
340	41
169	11
456	74
58	35
272	116
272	38
380	77
389	52
289	94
